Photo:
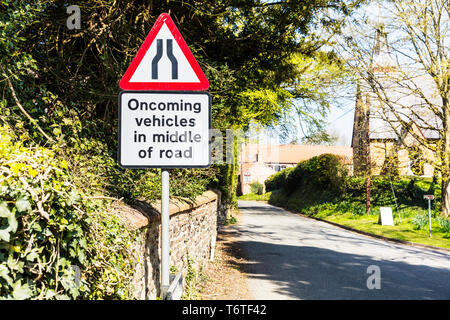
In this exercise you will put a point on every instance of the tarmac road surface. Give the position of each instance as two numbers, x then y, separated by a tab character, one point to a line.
294	257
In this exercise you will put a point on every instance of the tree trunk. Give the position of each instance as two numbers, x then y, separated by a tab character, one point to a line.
368	166
445	167
445	198
368	194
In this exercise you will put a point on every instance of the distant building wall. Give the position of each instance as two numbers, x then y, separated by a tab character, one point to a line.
379	138
258	162
383	151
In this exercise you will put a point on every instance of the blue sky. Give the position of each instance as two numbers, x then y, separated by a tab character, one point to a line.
341	120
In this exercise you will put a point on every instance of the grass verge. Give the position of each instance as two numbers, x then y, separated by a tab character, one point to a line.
411	220
255	197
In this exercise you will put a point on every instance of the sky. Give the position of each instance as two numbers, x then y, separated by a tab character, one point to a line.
341	120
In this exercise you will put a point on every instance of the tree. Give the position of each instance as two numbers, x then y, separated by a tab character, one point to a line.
409	90
321	82
247	49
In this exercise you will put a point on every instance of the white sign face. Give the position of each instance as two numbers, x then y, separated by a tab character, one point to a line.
164	129
386	218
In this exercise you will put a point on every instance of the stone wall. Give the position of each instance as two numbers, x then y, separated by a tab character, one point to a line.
379	150
193	225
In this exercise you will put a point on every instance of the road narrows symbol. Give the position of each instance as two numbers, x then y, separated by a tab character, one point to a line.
158	56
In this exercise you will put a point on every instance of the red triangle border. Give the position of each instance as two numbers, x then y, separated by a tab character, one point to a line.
125	83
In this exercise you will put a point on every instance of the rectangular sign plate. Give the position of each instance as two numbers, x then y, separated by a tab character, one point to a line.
386	218
428	197
164	129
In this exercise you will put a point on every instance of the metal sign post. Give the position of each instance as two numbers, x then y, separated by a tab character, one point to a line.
165	240
429	198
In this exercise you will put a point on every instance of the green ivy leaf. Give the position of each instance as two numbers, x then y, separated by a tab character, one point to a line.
21	291
4	211
22	204
15	265
4	235
74	197
4	274
33	255
49	294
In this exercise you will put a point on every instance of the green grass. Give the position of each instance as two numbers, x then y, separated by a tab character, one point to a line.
231	220
403	230
348	208
255	197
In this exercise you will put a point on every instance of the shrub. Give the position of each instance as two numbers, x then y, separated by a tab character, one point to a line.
324	172
358	210
296	177
420	221
277	180
48	226
257	188
444	223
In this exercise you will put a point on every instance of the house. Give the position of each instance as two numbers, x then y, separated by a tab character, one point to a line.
392	116
259	161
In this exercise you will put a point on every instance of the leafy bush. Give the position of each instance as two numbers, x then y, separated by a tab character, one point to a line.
324	172
48	228
358	210
277	180
420	221
444	223
256	188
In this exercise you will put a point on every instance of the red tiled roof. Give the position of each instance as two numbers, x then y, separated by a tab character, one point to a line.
290	153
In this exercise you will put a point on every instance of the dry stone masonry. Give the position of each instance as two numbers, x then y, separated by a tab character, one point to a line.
193	227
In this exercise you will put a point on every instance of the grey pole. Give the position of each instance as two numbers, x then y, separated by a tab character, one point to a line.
165	241
429	216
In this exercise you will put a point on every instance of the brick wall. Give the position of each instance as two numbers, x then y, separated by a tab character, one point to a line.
193	224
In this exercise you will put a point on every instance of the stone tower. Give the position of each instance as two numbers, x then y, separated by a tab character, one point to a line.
366	119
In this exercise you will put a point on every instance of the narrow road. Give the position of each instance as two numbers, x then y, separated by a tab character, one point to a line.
293	257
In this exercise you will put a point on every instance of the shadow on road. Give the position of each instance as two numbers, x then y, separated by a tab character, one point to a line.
305	272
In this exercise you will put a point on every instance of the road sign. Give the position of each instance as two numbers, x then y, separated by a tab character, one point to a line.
164	62
428	197
164	129
385	218
163	123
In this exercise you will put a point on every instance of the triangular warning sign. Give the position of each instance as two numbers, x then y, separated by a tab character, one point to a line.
164	62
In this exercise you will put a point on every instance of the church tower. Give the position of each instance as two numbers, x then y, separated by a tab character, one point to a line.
382	67
382	60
